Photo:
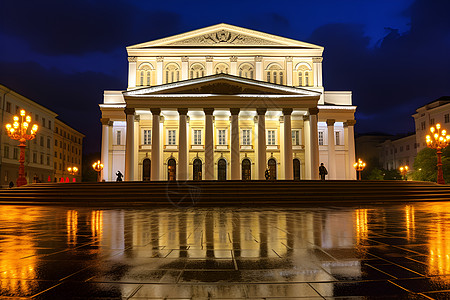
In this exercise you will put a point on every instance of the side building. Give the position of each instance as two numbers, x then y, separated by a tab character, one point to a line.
40	152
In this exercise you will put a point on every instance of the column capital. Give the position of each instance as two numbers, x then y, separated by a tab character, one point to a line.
317	59
137	118
287	111
159	59
330	122
129	111
349	123
105	121
261	111
313	110
183	111
209	59
208	111
258	58
132	59
185	59
155	111
289	58
233	58
235	111
305	118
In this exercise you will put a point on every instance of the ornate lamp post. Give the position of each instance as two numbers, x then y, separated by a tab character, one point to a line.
98	166
72	171
438	140
403	171
18	131
359	166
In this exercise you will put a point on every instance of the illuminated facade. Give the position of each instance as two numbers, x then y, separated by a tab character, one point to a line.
225	102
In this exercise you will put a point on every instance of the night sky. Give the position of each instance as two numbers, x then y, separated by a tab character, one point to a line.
393	54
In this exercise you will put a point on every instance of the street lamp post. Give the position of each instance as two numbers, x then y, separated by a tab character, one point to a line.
403	171
359	166
98	166
18	131
438	140
72	171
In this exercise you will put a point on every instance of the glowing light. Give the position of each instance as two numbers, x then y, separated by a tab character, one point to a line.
22	112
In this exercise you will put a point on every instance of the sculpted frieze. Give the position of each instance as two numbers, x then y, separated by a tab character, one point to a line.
221	88
223	37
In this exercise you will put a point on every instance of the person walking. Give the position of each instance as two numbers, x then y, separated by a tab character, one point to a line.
119	176
322	171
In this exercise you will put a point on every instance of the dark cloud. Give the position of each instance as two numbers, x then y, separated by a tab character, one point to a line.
56	27
403	72
74	97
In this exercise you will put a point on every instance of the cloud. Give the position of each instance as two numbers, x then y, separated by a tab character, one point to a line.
54	27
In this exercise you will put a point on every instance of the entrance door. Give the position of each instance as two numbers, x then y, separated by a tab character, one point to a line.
246	169
172	170
296	169
222	169
146	167
272	169
197	165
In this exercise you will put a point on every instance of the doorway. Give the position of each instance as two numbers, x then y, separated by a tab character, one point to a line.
171	170
146	168
272	169
222	169
197	169
296	169
246	169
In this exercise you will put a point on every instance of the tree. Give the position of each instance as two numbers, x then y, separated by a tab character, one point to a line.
425	168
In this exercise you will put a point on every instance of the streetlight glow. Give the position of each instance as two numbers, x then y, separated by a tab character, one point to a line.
440	141
359	166
404	171
98	166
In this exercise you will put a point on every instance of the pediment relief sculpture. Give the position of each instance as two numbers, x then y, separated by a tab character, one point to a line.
222	88
223	37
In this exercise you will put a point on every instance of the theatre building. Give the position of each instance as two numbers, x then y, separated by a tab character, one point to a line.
226	103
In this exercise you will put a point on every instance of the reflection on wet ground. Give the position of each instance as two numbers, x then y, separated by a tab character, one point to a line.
398	252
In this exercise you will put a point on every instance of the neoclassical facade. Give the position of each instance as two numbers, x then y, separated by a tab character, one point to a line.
226	103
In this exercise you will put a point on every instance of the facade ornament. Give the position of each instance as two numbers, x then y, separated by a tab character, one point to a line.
132	59
289	58
330	122
233	58
222	37
313	110
105	121
258	58
305	118
137	118
159	59
129	111
209	59
317	59
185	59
350	122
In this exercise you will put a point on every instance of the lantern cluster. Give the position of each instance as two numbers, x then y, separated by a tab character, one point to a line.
18	129
438	139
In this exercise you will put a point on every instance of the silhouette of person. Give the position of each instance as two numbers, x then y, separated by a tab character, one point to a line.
119	176
11	184
267	174
322	171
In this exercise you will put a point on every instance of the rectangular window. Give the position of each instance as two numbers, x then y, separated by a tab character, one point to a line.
432	122
42	141
401	148
8	107
48	143
246	137
337	137
197	137
295	137
321	138
17	109
43	122
118	137
422	124
446	118
37	118
6	152
222	137
407	147
56	142
16	153
42	159
49	124
147	137
56	154
271	137
35	157
172	137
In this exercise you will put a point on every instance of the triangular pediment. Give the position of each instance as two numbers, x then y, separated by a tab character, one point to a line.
221	84
225	35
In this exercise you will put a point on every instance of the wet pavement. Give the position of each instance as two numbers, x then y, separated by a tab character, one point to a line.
381	252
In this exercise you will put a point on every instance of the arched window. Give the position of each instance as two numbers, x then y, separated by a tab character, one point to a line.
172	73
141	82
145	74
275	73
303	74
306	78
197	70
221	68
268	76
300	78
148	78
246	70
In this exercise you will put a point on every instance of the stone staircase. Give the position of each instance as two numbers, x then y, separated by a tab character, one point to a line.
225	193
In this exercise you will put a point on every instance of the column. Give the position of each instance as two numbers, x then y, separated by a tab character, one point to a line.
156	158
184	68
289	71
288	160
258	68
132	60
331	150
350	141
182	145
307	144
235	151
129	147
209	144
317	69
314	140
233	65
209	65
106	123
159	72
136	135
261	142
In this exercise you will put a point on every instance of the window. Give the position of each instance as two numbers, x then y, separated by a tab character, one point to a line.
271	137
15	153
118	137
8	107
56	143
55	165
141	81
432	121
321	138
144	72
275	73
42	159
35	157
222	137
49	124
221	68
446	118
6	152
295	137
172	73
337	136
407	147
197	137
42	141
423	125
60	155
172	137
303	70
37	117
246	137
197	70
246	70
306	78
300	78
48	143
147	137
56	154
401	148
43	122
17	110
